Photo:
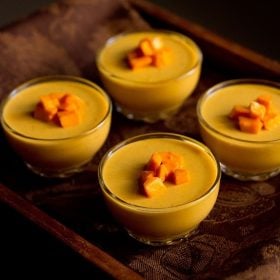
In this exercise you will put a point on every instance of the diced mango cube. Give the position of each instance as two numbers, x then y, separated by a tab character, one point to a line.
42	114
171	160
139	62
153	186
178	176
68	118
144	175
162	172
154	162
49	102
69	102
161	58
146	47
265	100
257	110
239	111
250	125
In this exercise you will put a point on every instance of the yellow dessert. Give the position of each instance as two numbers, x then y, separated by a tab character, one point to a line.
56	147
244	153
157	88
168	215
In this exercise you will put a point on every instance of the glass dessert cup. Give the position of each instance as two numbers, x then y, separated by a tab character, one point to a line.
49	150
170	217
149	94
242	155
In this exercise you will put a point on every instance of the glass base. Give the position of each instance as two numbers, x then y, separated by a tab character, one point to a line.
242	176
163	242
56	173
148	117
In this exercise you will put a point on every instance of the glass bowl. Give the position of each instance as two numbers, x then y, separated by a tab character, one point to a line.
150	93
242	155
47	149
169	217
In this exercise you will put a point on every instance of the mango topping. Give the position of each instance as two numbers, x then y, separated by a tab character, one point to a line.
259	115
63	109
149	52
162	167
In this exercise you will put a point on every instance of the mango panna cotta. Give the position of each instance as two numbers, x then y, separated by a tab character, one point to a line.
56	123
149	74
161	193
240	122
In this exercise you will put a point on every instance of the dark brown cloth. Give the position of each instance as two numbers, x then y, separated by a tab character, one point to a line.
62	39
240	239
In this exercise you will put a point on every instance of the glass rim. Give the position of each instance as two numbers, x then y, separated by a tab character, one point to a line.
154	135
113	38
50	78
224	84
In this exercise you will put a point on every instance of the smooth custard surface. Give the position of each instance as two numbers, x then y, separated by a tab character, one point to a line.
216	108
184	57
120	172
18	110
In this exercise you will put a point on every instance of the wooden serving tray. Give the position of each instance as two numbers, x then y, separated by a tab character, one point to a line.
240	236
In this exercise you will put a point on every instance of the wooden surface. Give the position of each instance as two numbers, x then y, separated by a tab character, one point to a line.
89	251
217	48
72	210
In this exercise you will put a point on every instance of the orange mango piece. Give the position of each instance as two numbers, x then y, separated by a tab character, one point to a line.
62	108
239	111
179	176
69	102
144	175
259	114
154	162
171	160
250	125
146	48
49	102
153	186
149	52
42	114
68	118
162	166
139	62
257	110
162	172
265	100
161	58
